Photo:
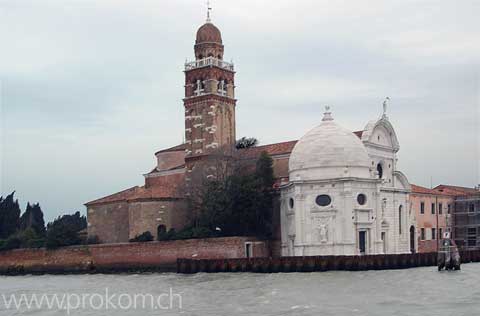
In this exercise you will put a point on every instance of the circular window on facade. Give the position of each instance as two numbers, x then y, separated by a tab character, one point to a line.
291	203
361	199
323	200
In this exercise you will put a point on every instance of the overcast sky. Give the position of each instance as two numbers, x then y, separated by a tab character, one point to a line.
90	89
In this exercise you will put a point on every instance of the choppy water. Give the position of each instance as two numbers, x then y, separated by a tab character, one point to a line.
420	291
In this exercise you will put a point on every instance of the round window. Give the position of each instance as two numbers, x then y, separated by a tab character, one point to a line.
362	199
290	203
323	200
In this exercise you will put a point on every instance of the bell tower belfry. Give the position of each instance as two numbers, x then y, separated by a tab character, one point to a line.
209	98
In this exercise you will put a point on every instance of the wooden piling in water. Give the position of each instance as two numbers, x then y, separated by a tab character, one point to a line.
317	263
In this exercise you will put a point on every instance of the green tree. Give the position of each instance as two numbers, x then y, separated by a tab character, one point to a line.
9	216
264	208
245	142
63	231
33	218
241	204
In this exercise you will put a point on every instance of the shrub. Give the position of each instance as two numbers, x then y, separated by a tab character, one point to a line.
23	239
167	235
195	232
144	237
12	242
92	240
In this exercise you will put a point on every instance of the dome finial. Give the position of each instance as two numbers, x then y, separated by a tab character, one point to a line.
327	116
209	8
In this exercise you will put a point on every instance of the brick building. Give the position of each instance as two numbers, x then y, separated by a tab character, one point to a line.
446	208
433	211
209	105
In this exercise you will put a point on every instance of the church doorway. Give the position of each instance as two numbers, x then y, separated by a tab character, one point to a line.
412	239
362	242
384	241
161	231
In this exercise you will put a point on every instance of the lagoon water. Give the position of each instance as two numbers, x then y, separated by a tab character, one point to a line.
419	291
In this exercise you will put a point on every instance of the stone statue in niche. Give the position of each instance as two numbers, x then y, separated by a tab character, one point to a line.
321	229
323	233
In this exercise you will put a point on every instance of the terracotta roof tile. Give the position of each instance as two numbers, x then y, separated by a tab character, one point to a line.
180	147
422	190
271	149
169	186
456	190
116	197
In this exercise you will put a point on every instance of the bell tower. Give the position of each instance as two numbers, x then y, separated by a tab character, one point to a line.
209	98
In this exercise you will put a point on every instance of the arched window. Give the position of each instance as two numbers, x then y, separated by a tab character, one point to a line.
400	209
380	170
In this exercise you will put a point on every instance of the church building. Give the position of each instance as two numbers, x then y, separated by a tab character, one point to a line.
339	192
345	195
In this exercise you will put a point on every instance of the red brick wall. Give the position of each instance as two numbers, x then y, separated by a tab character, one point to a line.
128	255
427	246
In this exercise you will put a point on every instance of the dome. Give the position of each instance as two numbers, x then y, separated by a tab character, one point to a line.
208	33
329	151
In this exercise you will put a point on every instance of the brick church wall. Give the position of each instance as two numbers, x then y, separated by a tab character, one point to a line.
148	215
109	222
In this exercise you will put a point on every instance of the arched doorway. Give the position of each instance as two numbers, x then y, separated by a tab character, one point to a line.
161	232
412	239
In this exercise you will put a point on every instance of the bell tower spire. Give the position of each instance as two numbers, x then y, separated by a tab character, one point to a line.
209	8
209	98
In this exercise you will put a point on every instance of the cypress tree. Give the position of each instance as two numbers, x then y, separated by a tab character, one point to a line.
33	218
9	216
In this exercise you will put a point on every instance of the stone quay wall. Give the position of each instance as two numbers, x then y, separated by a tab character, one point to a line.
126	257
317	263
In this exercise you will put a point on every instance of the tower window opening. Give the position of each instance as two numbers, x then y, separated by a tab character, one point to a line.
222	87
199	87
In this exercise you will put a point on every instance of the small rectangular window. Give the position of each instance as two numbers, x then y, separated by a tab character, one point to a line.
422	233
471	208
422	208
440	233
440	208
449	208
434	236
472	237
433	208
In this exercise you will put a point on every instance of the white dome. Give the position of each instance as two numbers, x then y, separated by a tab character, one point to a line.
329	151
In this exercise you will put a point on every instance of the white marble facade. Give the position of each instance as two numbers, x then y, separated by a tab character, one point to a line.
345	195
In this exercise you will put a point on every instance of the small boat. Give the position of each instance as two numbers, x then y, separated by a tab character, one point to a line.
448	255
